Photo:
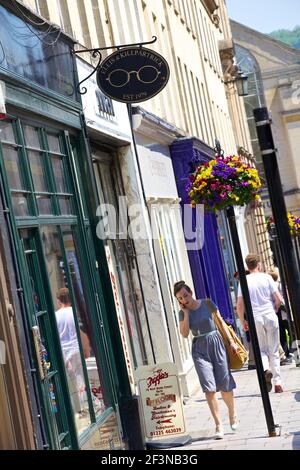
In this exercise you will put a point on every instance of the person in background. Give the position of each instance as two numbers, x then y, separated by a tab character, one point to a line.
265	300
208	352
70	347
284	329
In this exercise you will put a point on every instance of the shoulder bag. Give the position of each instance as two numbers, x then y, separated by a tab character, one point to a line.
238	359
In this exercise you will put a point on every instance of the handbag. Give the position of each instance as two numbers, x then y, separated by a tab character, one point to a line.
238	359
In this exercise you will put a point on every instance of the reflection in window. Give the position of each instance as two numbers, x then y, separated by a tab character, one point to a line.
83	316
12	166
20	205
6	132
53	143
58	170
31	136
37	170
44	205
66	326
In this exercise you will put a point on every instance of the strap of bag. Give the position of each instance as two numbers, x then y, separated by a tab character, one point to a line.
213	312
217	321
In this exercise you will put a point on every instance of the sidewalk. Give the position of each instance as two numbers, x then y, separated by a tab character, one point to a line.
252	432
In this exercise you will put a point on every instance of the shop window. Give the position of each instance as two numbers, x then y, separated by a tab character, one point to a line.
12	166
65	205
12	162
66	325
31	136
44	205
58	170
83	317
20	205
74	324
37	166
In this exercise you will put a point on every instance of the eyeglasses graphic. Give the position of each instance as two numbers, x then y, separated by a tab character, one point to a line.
120	77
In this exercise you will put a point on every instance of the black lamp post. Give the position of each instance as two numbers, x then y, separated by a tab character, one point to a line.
249	313
292	275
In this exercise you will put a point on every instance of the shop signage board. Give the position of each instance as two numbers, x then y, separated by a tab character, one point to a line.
133	74
161	401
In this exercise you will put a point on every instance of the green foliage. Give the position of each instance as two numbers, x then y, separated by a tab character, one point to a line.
291	38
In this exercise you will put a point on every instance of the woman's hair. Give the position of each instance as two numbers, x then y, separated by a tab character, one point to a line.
63	295
180	285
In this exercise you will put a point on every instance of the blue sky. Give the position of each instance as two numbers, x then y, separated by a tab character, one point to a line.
265	15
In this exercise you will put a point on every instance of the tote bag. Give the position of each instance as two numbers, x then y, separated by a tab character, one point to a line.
236	361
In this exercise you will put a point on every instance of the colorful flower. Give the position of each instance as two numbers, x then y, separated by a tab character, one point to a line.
222	182
294	223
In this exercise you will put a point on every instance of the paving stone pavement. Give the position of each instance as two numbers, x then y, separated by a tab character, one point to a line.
252	432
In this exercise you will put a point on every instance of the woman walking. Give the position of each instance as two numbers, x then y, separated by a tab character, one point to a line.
208	352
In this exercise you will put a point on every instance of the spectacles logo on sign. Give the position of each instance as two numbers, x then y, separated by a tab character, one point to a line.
133	75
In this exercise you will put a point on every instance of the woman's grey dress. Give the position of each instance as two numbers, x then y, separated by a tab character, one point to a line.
208	351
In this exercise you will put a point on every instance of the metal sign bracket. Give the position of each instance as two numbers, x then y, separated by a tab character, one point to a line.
96	54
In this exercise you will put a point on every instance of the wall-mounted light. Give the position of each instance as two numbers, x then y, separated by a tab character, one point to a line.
241	81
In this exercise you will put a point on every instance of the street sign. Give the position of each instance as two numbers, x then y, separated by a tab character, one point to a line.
133	74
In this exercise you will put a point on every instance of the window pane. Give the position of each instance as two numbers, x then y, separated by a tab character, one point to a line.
53	143
44	205
65	205
66	327
58	170
12	166
20	205
31	136
86	328
37	171
6	132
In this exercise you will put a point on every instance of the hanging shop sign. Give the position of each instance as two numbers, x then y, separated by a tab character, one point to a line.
161	401
133	74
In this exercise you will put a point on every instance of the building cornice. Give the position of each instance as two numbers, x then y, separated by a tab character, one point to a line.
150	125
287	71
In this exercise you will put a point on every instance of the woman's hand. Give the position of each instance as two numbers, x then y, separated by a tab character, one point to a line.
234	347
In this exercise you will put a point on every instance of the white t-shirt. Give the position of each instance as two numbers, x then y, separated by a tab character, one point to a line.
261	289
67	331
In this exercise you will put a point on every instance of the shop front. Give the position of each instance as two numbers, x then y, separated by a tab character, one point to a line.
77	383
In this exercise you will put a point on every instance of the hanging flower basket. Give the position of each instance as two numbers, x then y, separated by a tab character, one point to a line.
294	224
223	182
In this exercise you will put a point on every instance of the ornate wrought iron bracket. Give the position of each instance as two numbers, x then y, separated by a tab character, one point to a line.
95	53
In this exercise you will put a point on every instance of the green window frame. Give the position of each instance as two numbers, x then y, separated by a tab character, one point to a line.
76	219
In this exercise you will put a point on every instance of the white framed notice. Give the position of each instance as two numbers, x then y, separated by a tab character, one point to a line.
161	401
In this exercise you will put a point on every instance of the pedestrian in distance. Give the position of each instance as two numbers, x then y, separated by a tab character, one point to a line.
265	301
284	328
208	353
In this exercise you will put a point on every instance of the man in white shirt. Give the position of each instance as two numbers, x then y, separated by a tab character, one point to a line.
265	300
70	348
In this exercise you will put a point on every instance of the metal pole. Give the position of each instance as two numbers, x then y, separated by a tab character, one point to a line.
252	330
292	275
